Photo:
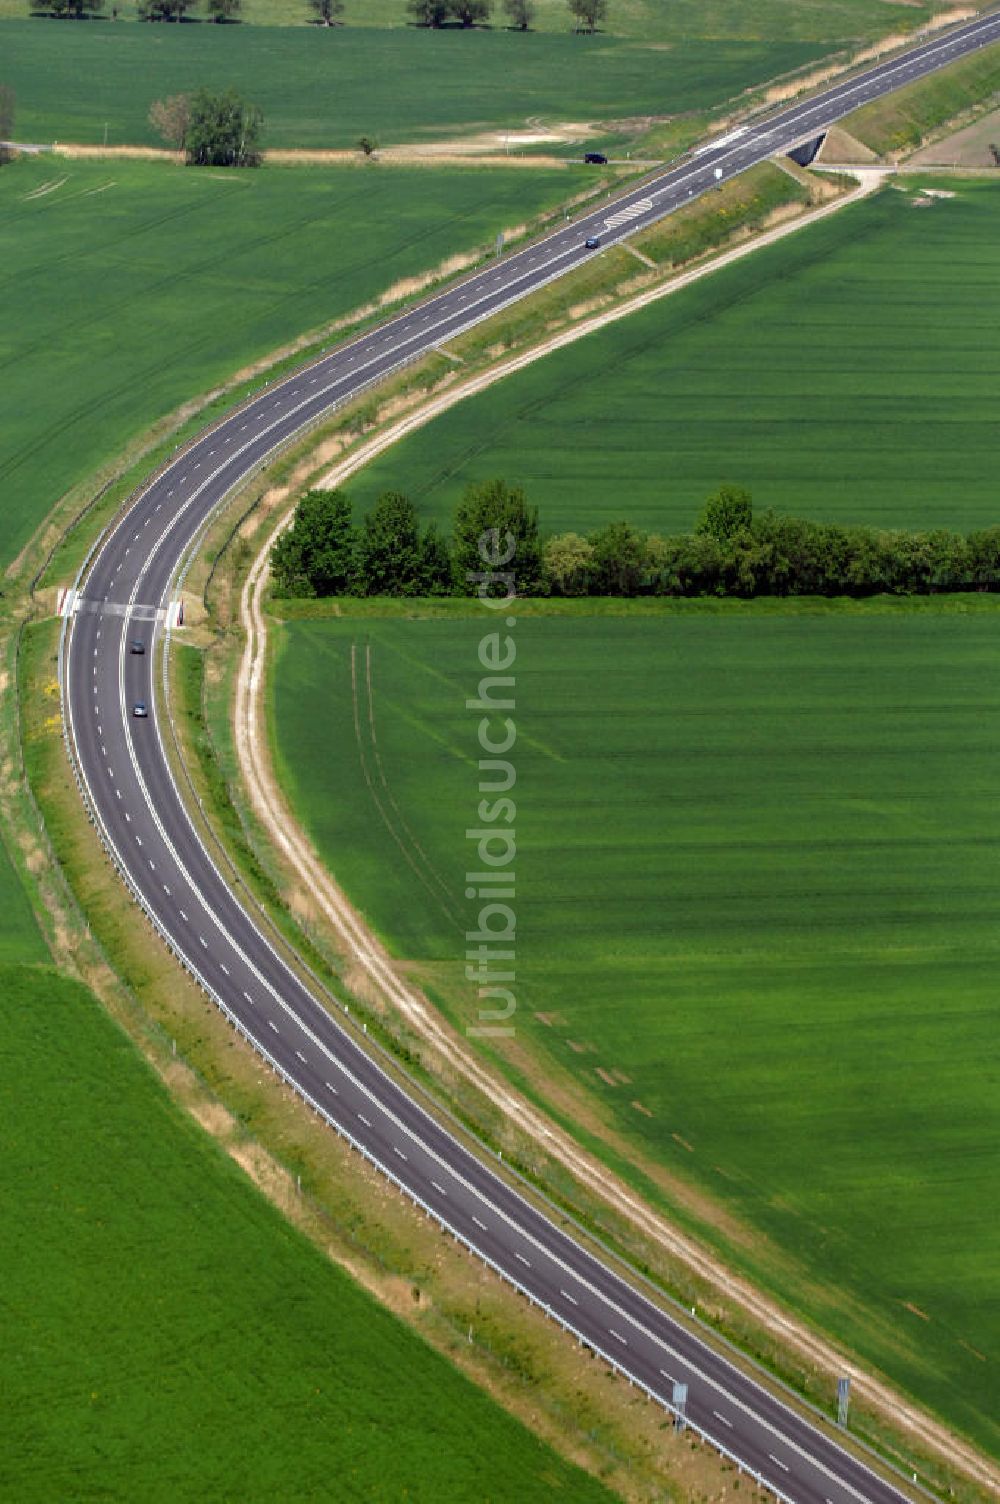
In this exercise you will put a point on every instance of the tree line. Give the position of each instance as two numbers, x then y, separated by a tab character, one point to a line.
146	10
587	14
731	552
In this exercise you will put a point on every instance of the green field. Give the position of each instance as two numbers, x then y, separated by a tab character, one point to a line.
757	877
167	1335
849	373
320	88
133	286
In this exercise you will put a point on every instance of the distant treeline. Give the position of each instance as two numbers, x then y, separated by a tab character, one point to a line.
732	552
518	14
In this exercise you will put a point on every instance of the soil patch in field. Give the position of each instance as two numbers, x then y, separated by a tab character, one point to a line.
968	147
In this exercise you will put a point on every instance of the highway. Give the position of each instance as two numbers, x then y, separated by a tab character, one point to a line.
125	594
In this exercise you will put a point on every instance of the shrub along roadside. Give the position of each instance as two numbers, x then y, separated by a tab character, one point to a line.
731	552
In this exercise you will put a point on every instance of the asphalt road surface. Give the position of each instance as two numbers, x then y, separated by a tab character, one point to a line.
126	592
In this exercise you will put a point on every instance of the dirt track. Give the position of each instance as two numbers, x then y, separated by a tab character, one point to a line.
378	971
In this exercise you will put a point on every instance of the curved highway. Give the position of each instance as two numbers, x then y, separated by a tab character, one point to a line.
126	780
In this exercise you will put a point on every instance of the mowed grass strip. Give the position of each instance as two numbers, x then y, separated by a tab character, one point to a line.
167	1335
848	373
324	88
131	287
757	898
20	939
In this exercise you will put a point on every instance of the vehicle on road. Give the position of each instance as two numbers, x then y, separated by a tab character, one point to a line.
136	646
595	158
593	242
140	709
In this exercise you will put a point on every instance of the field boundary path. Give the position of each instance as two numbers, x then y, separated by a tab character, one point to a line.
112	702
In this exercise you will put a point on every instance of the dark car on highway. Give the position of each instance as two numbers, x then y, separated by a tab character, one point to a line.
136	646
593	242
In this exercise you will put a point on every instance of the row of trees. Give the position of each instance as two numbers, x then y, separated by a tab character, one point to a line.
146	10
177	10
731	552
212	129
587	14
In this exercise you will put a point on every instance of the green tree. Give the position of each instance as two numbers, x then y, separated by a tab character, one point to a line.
520	13
568	563
317	555
224	10
170	117
326	11
619	560
984	559
163	10
367	146
726	513
428	12
223	130
7	102
389	549
497	532
470	12
67	10
436	570
587	13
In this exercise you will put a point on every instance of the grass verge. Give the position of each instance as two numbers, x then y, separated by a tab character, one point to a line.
902	121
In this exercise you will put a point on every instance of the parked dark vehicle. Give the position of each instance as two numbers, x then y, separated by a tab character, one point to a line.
595	158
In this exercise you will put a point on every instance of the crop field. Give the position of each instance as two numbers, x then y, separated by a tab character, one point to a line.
757	888
130	287
167	1335
324	88
848	373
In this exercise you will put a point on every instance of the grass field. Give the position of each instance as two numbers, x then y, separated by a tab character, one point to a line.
757	888
320	88
133	286
848	373
167	1335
